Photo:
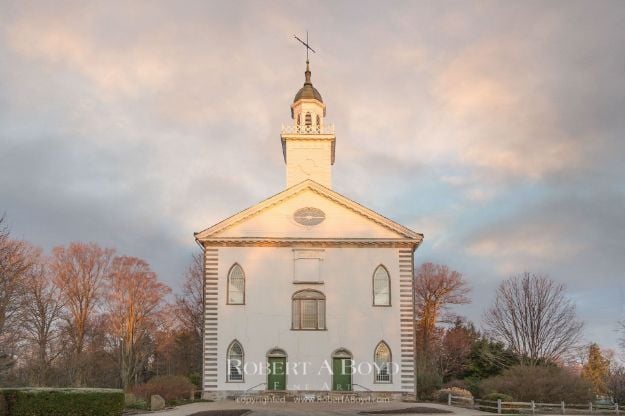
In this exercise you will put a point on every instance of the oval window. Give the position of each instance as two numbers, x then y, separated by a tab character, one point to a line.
309	216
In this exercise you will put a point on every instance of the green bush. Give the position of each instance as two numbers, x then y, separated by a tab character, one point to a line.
61	402
473	385
428	382
170	388
196	378
133	402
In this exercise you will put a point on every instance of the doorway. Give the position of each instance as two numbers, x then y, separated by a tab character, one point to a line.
342	370
276	373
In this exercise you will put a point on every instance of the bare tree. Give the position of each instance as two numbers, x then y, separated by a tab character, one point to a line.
616	383
190	313
134	300
533	316
79	272
41	309
190	305
15	258
436	288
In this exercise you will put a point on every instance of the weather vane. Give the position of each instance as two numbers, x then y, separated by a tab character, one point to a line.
305	44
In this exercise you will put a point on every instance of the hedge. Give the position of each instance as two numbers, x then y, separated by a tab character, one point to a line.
61	402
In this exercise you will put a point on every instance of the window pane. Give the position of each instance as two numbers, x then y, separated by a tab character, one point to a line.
382	361
381	299
235	363
381	287
321	314
296	314
235	370
309	314
383	375
236	285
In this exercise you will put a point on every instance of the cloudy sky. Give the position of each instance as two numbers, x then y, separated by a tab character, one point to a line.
495	128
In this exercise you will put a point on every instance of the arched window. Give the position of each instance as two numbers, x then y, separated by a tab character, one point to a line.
235	362
381	287
309	310
299	119
318	122
308	119
236	285
382	360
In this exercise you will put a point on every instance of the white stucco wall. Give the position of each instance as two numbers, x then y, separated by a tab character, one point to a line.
264	322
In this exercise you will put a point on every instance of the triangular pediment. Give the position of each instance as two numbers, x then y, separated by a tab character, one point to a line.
274	218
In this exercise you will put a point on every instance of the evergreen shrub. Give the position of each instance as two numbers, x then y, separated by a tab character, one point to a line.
61	402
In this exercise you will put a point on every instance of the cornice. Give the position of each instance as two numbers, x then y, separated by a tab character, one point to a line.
308	243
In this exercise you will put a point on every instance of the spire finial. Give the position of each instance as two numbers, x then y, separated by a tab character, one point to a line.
307	73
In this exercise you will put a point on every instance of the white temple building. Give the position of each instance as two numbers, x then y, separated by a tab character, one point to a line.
308	290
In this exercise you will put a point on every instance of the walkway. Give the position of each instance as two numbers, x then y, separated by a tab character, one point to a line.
290	408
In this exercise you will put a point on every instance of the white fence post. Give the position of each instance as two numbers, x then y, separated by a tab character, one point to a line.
448	399
533	407
616	408
562	404
498	406
590	407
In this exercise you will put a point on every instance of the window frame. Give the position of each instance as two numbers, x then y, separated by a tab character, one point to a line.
228	278
297	308
229	379
388	280
389	363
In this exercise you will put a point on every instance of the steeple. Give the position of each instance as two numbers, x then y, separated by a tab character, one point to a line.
308	144
308	91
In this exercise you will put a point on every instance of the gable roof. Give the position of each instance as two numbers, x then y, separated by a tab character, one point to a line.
404	233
